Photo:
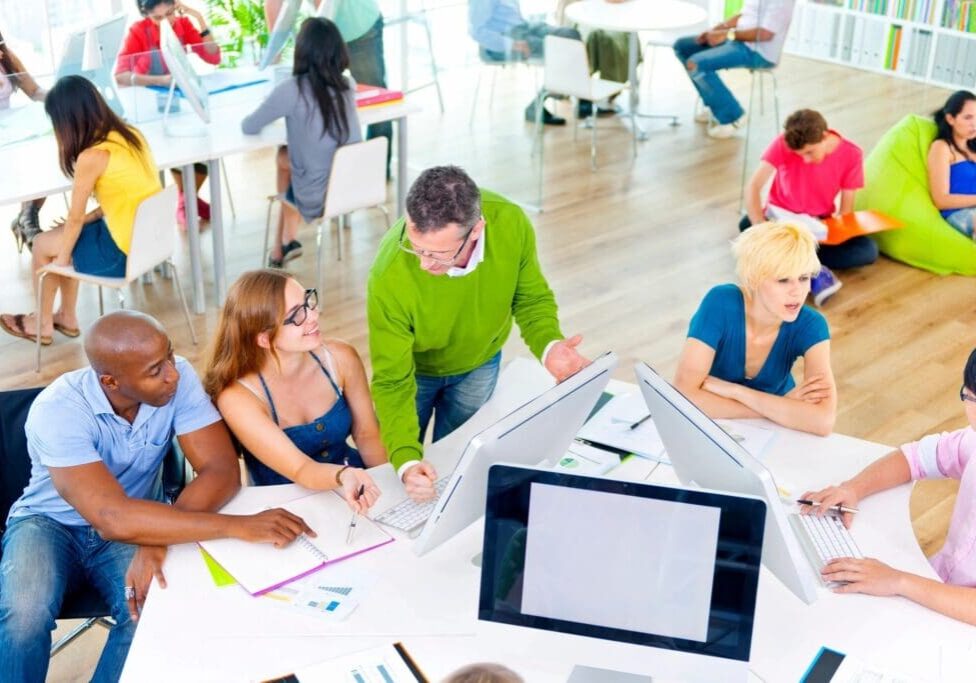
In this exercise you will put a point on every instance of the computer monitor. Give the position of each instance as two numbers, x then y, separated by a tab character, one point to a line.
540	430
184	75
280	32
703	454
671	570
109	36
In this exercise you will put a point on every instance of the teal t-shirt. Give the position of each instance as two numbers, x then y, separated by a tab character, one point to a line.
720	322
355	17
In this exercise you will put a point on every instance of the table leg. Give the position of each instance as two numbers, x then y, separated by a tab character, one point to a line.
217	230
193	232
634	83
401	199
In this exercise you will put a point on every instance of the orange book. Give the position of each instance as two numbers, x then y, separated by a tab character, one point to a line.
372	95
842	228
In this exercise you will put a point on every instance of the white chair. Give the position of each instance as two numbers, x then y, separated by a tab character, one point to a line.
153	243
567	72
357	181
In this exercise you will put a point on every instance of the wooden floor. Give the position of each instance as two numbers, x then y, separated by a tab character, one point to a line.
629	249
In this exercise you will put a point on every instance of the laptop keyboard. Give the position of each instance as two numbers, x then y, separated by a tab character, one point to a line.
408	514
828	537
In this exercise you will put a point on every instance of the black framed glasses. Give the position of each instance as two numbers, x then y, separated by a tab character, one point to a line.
300	314
435	256
963	396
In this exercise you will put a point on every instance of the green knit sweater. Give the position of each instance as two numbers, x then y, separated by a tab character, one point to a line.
439	325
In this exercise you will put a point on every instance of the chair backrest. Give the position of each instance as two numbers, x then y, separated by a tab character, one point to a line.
567	70
14	461
153	233
358	178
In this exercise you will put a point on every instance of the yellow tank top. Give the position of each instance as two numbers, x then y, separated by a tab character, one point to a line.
130	177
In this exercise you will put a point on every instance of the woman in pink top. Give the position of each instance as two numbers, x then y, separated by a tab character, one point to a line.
936	456
810	164
141	62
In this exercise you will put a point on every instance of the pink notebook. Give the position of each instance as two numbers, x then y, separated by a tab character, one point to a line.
260	567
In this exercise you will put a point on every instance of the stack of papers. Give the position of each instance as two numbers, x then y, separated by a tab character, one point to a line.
261	567
613	426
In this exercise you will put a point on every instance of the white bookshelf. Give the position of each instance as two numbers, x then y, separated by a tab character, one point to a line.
904	38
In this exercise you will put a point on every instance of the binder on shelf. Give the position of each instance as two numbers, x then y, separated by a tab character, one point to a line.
847	41
261	567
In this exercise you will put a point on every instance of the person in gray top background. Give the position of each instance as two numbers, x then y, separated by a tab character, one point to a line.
319	106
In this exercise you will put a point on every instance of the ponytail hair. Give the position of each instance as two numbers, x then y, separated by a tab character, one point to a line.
953	107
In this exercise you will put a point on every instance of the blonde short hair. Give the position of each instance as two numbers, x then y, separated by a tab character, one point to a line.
774	250
484	672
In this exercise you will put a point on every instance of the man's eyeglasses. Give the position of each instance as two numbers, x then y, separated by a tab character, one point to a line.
300	314
963	396
435	256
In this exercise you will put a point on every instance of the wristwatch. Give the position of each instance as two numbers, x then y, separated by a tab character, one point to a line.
205	32
730	35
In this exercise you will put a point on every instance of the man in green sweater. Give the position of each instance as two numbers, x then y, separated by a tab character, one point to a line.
445	286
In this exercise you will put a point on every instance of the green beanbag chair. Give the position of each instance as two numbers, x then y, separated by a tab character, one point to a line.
896	184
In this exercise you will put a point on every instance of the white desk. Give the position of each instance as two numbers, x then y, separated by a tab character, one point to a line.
223	137
632	16
194	631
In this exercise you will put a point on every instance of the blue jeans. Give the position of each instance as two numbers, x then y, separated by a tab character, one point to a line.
708	60
455	398
367	65
42	562
962	220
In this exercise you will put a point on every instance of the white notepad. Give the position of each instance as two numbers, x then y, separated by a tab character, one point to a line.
261	567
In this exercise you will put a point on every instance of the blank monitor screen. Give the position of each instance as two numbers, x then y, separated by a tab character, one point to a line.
636	563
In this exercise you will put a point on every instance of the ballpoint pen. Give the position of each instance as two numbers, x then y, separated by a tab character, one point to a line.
835	508
355	516
635	425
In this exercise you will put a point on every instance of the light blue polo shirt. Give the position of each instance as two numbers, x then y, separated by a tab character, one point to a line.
72	423
355	17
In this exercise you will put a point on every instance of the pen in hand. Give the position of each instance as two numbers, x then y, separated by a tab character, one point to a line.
355	516
835	508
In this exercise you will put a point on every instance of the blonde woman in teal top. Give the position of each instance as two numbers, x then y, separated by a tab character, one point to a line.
744	339
447	283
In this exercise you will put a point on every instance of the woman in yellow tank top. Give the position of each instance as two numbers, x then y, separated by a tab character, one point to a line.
104	157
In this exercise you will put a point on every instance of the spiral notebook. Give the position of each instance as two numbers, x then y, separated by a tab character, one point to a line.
261	567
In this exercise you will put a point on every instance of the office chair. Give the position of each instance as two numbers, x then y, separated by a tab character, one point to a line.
15	466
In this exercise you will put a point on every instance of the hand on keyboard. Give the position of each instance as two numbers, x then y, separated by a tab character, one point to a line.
864	576
829	498
419	480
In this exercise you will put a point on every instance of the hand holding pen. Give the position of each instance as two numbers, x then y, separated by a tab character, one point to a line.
355	517
841	500
358	488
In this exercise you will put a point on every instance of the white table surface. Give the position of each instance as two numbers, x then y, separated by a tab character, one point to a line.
221	138
632	16
195	631
635	15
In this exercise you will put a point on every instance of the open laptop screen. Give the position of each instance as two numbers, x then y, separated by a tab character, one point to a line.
636	563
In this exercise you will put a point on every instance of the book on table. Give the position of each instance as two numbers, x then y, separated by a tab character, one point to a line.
850	225
374	95
261	567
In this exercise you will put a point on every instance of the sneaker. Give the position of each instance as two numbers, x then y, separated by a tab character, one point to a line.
548	118
824	286
703	114
275	262
290	251
584	109
722	131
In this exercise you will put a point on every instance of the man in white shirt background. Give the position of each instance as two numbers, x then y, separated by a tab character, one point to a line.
752	39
